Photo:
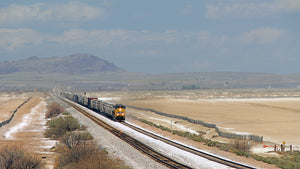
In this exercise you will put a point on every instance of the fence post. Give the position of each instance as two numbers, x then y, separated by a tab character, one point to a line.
291	148
282	148
275	147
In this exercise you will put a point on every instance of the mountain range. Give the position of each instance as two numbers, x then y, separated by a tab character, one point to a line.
72	64
86	72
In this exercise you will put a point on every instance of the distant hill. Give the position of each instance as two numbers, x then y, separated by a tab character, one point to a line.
85	72
73	64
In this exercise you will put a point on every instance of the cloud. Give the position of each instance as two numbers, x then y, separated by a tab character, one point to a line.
13	38
286	5
201	49
117	37
94	38
250	9
75	11
187	9
262	35
72	11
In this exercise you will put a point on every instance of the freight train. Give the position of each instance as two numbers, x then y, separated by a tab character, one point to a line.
116	111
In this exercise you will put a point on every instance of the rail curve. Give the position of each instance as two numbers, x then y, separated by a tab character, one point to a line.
189	149
132	141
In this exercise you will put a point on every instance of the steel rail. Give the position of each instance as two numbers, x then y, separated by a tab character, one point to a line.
189	149
132	141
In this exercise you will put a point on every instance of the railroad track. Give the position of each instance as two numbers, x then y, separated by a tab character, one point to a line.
132	141
153	153
189	149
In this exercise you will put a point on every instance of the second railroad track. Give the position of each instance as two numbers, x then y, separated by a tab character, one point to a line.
145	149
153	153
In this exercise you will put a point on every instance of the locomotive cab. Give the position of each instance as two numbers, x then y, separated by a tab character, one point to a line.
119	112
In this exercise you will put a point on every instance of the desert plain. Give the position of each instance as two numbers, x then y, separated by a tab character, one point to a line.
26	129
273	114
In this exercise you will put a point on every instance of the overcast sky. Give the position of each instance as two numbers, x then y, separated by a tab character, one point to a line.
158	36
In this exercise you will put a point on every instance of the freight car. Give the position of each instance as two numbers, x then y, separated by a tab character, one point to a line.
116	111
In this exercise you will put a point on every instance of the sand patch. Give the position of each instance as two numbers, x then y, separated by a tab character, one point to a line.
8	106
27	128
275	120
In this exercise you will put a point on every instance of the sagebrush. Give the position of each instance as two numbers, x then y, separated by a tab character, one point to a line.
54	109
14	157
59	126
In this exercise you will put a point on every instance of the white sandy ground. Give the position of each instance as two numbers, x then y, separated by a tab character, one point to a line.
267	150
134	155
180	155
259	149
33	122
26	121
256	100
105	99
6	96
176	125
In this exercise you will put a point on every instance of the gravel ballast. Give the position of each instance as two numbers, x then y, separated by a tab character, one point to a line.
115	146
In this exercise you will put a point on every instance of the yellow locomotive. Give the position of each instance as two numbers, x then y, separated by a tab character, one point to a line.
116	111
119	112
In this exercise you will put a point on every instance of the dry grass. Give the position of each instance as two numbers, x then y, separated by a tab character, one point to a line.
241	145
54	109
256	116
86	156
73	139
76	148
15	157
288	160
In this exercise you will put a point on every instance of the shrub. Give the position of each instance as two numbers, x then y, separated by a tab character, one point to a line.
73	139
86	156
76	148
65	113
289	160
241	145
59	126
54	109
12	157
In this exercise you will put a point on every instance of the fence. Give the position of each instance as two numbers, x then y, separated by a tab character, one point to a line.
281	147
14	112
209	125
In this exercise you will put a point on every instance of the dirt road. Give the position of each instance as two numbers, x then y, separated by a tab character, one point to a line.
27	128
